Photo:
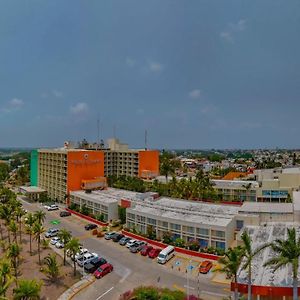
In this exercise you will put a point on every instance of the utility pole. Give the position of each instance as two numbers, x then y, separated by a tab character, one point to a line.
146	139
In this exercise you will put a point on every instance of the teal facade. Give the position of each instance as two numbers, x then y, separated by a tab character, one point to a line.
34	168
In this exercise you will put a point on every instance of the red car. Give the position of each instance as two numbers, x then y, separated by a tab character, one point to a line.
205	266
146	249
154	253
103	270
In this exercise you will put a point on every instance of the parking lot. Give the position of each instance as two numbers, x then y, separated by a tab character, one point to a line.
133	269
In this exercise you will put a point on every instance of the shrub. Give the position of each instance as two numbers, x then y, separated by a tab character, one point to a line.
100	234
95	232
179	242
104	228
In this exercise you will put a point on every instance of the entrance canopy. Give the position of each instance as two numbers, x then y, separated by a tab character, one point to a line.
32	192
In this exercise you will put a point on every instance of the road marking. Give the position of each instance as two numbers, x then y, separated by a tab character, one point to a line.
213	294
105	293
178	288
189	287
125	276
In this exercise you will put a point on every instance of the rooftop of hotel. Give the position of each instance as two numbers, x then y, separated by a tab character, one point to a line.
112	195
265	276
234	183
188	211
266	207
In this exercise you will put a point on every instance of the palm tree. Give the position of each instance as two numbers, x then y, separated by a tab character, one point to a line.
40	216
5	277
14	229
2	218
73	246
65	237
52	266
288	252
28	290
30	220
6	215
14	251
166	166
38	229
19	214
248	254
231	262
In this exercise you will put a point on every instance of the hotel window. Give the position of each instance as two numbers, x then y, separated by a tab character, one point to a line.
175	226
218	234
151	221
203	231
190	229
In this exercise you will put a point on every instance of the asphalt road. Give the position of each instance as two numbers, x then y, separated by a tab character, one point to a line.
130	270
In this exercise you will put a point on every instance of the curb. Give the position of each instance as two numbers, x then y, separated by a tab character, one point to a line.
77	288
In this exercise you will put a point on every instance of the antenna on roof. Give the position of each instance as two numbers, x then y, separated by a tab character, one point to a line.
146	139
114	131
98	132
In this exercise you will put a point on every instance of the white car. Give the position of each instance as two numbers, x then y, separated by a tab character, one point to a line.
54	240
53	207
86	258
60	244
81	252
131	243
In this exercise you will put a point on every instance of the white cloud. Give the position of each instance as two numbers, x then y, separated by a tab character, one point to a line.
12	105
130	62
16	103
155	66
80	109
232	29
226	35
195	94
57	94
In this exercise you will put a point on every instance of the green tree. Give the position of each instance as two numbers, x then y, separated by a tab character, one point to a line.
65	237
122	214
28	290
19	214
230	265
148	293
38	230
40	216
52	266
14	229
287	253
6	277
73	246
14	251
30	220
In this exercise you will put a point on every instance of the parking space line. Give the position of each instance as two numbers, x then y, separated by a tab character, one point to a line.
105	293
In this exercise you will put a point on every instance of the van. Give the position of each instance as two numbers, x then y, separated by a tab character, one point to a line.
166	254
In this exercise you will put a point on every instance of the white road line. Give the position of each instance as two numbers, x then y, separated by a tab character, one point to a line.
191	288
213	294
105	293
125	276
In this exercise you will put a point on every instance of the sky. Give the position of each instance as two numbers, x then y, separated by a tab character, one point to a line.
194	74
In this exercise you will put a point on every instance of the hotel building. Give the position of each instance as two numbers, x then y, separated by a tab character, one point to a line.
59	171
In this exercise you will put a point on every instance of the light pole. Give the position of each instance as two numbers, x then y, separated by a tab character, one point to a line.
187	279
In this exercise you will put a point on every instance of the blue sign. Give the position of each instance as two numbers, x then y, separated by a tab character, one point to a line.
275	194
190	267
177	263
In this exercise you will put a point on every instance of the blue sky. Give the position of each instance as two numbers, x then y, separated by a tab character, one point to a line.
195	74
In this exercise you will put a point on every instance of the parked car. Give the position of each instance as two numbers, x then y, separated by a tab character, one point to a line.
110	235
86	258
80	253
116	238
54	240
94	264
103	270
90	226
205	267
145	250
51	232
137	246
123	241
154	253
53	207
130	243
64	213
60	244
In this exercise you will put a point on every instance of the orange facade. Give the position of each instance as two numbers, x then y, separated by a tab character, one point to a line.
148	163
83	165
